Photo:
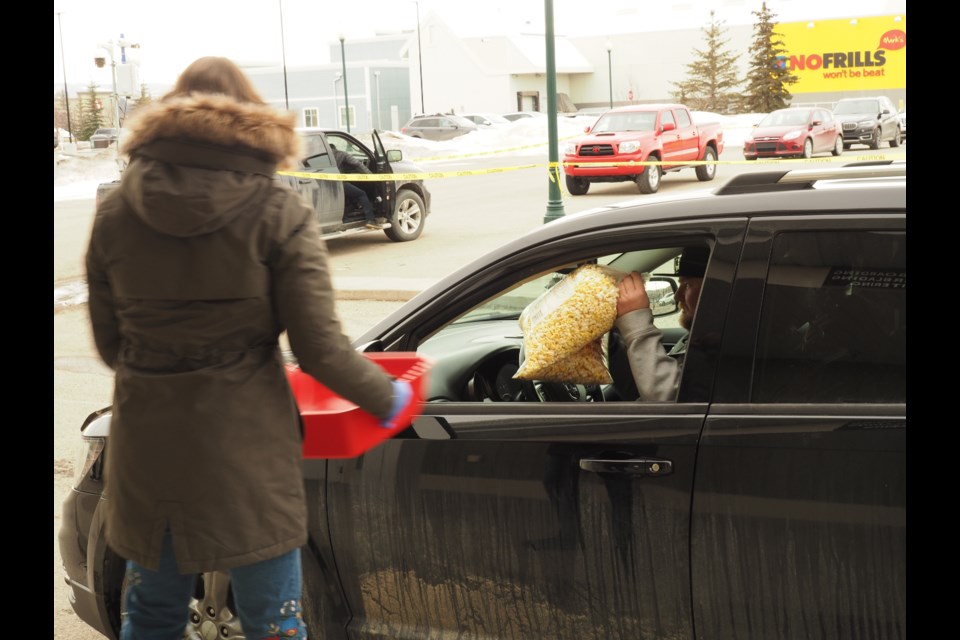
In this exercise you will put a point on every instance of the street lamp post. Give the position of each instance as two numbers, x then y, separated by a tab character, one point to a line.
346	97
66	93
610	70
336	107
423	109
283	52
100	62
554	200
376	75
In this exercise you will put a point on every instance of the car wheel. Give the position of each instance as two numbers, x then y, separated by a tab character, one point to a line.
875	139
838	147
749	157
807	148
211	610
847	145
896	139
408	217
706	172
649	180
577	186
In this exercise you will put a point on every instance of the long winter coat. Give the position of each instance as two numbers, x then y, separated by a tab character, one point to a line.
196	265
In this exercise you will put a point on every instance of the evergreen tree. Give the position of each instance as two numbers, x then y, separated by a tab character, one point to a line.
91	114
712	76
768	76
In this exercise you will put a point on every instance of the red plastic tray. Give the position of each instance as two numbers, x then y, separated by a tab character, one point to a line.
335	427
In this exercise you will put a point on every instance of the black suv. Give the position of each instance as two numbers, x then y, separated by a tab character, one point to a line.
870	121
767	500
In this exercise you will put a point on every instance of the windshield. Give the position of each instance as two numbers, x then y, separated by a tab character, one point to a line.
857	106
636	121
785	119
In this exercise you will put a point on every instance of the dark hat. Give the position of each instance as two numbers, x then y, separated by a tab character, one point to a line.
693	262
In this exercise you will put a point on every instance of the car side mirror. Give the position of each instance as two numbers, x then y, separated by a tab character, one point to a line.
668	126
394	155
662	294
816	123
587	129
884	112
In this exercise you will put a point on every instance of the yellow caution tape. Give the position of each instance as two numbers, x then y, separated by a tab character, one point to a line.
488	153
553	168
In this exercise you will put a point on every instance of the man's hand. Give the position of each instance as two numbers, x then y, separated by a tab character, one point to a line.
633	294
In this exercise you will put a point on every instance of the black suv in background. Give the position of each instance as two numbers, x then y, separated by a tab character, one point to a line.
870	121
767	500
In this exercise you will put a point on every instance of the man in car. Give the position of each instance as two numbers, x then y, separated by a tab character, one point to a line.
352	193
655	371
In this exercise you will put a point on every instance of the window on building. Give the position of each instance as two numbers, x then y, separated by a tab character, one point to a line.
342	117
311	117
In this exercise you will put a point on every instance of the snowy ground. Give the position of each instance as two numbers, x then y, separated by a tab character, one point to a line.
76	174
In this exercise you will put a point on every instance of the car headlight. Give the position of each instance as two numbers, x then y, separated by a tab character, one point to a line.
570	149
88	461
793	135
865	124
631	146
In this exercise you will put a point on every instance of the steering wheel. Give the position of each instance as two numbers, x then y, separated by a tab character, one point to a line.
541	391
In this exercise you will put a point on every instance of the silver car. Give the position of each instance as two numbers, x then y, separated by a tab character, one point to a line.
439	126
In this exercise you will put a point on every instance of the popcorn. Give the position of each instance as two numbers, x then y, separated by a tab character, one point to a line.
562	328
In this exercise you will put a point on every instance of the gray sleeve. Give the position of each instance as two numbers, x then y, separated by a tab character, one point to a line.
657	374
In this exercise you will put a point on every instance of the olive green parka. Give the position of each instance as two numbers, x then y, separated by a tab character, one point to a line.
196	265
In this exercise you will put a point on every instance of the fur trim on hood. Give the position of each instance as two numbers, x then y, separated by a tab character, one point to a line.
220	120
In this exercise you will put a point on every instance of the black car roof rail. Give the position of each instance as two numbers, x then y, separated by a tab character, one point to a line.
771	181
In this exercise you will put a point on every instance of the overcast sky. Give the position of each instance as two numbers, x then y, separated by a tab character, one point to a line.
174	33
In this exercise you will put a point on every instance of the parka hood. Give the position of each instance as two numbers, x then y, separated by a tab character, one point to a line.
199	161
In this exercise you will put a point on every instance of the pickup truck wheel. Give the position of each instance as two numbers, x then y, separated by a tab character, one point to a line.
577	186
807	148
895	142
875	139
649	180
838	146
408	217
706	172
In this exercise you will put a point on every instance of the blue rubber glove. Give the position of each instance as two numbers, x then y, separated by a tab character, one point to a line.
402	395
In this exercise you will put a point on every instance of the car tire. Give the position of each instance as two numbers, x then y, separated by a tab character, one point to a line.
577	186
706	172
838	146
649	180
895	142
807	149
750	158
847	145
409	215
875	139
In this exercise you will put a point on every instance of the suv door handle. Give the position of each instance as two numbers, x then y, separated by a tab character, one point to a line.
633	466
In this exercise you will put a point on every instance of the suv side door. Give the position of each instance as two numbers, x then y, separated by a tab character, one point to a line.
799	509
325	196
532	520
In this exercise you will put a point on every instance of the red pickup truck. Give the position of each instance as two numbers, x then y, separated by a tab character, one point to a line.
622	137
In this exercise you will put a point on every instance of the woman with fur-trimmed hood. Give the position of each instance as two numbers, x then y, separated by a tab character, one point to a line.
196	264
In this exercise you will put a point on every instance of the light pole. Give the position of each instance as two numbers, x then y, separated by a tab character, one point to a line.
66	93
610	70
336	107
283	53
554	200
376	75
423	109
100	62
346	98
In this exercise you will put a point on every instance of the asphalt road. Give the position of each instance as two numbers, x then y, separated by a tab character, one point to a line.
471	215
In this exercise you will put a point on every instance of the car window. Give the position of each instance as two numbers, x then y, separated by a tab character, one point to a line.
317	156
833	323
683	119
666	117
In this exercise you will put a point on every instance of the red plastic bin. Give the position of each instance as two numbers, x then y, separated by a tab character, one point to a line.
335	427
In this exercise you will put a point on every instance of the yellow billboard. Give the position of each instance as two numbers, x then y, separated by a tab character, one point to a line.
856	54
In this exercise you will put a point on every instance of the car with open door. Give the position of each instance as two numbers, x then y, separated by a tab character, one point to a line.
767	499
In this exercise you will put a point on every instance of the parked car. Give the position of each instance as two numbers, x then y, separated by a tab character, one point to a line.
103	138
799	132
870	121
903	124
520	115
404	203
439	126
767	501
624	136
486	119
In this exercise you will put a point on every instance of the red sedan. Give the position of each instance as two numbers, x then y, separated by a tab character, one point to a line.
794	132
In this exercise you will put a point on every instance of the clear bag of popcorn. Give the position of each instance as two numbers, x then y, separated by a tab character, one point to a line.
562	328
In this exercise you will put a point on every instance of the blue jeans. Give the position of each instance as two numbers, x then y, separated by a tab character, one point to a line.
353	194
266	594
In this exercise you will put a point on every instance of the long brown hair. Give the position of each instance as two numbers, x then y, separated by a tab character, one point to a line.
216	75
